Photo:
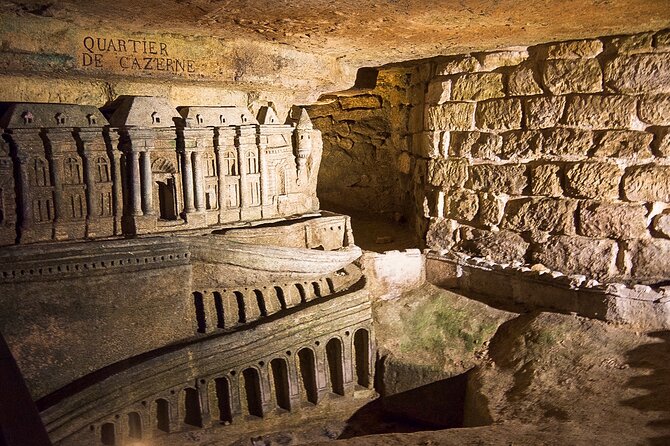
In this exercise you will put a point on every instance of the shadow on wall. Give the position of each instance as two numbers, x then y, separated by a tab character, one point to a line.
434	406
653	360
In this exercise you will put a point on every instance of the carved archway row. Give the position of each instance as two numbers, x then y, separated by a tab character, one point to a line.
227	308
296	379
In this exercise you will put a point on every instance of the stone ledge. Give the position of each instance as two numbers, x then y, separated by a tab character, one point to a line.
643	306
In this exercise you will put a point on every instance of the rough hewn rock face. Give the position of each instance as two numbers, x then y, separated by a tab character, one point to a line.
593	180
448	173
650	260
545	179
639	73
502	246
623	144
600	112
647	183
475	87
499	114
661	224
655	109
577	255
451	116
522	82
572	76
612	220
576	49
507	178
543	112
555	215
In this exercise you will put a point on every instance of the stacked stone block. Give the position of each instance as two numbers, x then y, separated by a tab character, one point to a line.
556	154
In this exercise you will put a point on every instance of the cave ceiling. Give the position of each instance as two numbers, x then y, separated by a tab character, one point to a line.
364	32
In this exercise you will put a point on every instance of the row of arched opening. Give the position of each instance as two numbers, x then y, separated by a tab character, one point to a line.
240	307
224	406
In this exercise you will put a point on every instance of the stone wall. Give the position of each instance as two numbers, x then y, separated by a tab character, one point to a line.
556	154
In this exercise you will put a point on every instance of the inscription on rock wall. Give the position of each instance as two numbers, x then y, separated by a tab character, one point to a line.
125	55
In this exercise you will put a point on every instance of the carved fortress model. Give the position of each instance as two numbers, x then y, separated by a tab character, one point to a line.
141	166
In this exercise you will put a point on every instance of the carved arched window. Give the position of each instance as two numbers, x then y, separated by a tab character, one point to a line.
60	119
40	173
252	162
155	118
210	165
72	171
230	160
27	117
102	171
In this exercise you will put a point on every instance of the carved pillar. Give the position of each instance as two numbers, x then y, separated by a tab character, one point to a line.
221	175
321	365
87	138
198	182
263	163
175	412
59	205
147	183
235	404
266	389
133	161
26	202
242	165
117	184
203	396
187	177
348	364
293	383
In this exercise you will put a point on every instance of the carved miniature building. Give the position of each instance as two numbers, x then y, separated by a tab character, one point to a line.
149	168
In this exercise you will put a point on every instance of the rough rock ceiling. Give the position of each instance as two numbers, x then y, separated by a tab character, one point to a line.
365	32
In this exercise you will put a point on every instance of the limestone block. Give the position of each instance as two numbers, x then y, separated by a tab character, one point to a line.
496	59
477	86
562	141
499	114
572	76
661	144
449	173
441	233
450	116
367	101
428	144
479	145
520	144
647	183
545	179
655	109
521	82
594	258
612	220
508	178
462	204
543	112
593	180
649	260
434	203
661	225
439	92
404	163
639	73
662	40
457	64
600	112
623	144
501	246
576	49
554	215
491	209
636	43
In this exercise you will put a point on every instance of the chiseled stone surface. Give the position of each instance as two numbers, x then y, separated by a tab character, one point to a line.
655	109
593	180
612	220
600	112
499	246
499	114
543	112
496	59
462	204
491	209
507	178
477	86
554	215
623	144
576	255
647	183
522	82
563	141
545	179
661	224
638	73
457	64
451	173
520	144
637	43
450	116
476	144
573	76
439	92
661	142
649	258
576	49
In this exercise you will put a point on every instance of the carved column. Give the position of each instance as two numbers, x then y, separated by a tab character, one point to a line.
266	389
89	174
348	364
263	164
198	181
147	183
321	364
294	383
235	404
117	184
221	174
187	176
26	202
203	396
133	159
